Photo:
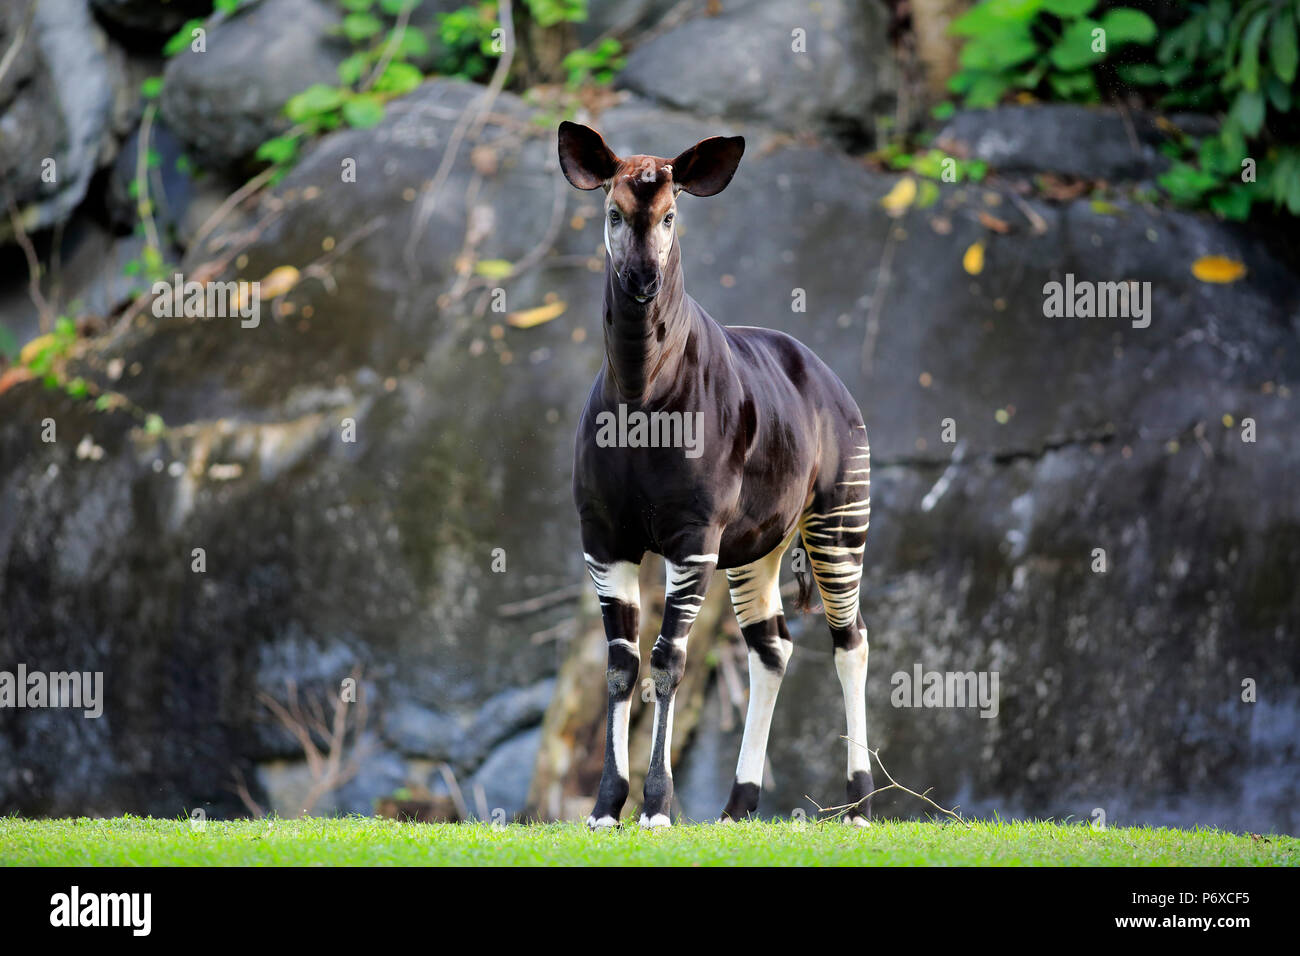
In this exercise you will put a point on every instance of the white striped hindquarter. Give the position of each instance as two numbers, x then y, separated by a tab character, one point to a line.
836	537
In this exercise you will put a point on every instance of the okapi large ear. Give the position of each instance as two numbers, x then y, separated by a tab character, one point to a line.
707	167
586	160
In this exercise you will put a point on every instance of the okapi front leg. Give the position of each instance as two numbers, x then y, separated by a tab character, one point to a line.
688	581
620	606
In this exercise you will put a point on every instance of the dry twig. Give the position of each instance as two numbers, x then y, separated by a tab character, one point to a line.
893	785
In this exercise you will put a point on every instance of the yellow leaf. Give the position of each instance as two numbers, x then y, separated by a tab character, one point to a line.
530	317
900	197
34	348
279	281
1218	269
973	260
494	268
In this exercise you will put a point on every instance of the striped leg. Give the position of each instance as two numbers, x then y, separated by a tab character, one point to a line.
756	598
620	607
835	535
688	580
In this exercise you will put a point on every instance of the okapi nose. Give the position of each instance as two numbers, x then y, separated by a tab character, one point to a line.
648	292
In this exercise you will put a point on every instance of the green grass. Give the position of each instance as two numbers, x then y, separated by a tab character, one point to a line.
360	841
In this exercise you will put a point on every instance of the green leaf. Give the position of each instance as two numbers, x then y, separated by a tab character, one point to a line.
1125	25
1075	87
1234	204
77	388
65	328
182	38
1185	183
1279	94
361	26
357	6
1069	8
313	101
993	14
1248	112
413	43
399	78
151	87
352	67
986	91
944	110
363	111
1283	52
1074	50
395	7
999	50
1139	74
1250	43
278	149
153	424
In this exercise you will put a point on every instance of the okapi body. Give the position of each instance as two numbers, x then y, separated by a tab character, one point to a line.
781	451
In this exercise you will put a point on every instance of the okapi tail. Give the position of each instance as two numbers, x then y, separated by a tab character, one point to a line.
803	602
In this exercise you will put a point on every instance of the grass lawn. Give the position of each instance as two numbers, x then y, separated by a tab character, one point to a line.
361	841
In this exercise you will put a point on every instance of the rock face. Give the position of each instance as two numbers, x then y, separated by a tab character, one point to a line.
64	104
1088	142
826	68
226	101
382	463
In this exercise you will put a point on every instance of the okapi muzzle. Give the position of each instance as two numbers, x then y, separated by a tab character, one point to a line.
779	452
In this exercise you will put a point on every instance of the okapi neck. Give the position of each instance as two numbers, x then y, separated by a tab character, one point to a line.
644	342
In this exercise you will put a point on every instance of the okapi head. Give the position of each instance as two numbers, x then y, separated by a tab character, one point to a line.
641	197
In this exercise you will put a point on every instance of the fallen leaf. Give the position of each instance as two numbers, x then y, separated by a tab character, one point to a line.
494	268
530	317
279	281
1218	269
898	199
12	376
973	260
993	223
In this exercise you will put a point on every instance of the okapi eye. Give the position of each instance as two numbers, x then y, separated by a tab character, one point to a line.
668	219
614	217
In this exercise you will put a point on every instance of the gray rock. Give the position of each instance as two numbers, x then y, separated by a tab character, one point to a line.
743	64
227	101
505	776
64	105
1084	141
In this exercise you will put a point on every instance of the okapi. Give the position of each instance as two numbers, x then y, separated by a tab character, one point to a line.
786	454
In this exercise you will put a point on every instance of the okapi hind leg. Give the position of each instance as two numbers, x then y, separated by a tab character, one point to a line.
835	535
619	590
756	599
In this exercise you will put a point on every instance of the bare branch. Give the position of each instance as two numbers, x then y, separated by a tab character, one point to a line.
893	785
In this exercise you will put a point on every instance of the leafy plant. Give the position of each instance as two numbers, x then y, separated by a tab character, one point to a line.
598	63
934	164
1052	47
378	70
467	41
548	13
1241	59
